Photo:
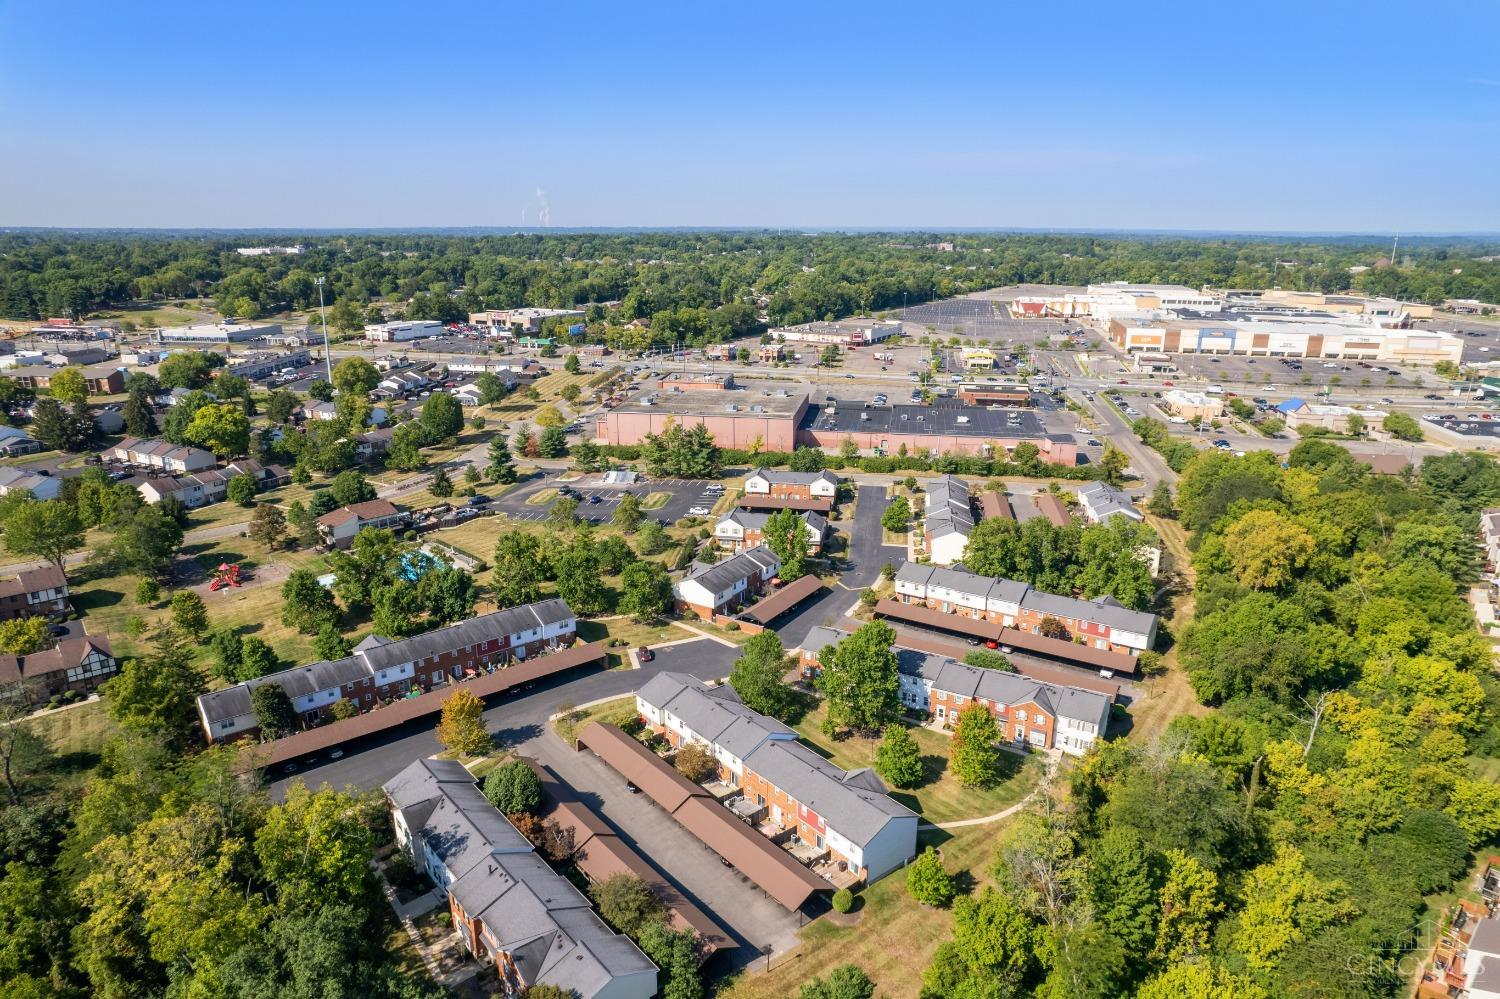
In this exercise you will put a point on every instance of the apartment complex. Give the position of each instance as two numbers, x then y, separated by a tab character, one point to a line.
381	668
208	486
34	592
161	455
948	521
738	530
40	486
723	587
261	364
78	663
1101	623
509	907
847	816
1028	712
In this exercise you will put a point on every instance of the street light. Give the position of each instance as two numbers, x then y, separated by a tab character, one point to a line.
327	360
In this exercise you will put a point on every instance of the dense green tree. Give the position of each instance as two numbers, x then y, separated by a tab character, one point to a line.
514	788
972	755
518	569
442	417
899	759
786	535
627	903
758	673
45	529
928	881
645	590
860	681
847	981
306	604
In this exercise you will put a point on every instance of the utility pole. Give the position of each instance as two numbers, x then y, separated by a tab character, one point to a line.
1394	240
327	359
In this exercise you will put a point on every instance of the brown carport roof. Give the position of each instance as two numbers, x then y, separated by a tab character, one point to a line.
917	614
762	861
993	506
639	765
758	502
767	610
409	709
1053	509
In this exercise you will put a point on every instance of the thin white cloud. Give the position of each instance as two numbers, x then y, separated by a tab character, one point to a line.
1484	81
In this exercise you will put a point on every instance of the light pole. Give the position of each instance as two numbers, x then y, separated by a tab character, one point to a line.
327	360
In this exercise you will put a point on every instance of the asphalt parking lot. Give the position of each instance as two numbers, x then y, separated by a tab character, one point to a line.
981	318
597	503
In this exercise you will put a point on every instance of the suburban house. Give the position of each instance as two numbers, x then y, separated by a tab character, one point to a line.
1102	623
741	529
830	815
1028	712
33	592
78	663
313	410
339	527
777	484
402	382
508	906
41	486
719	587
1100	501
381	668
373	443
14	441
949	520
162	455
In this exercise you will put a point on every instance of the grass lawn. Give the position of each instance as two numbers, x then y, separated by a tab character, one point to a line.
634	633
541	497
613	712
894	938
654	501
83	729
940	798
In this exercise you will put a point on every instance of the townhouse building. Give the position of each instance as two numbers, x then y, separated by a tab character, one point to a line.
104	379
1029	712
263	364
510	909
210	485
381	668
34	592
1100	501
338	527
948	520
40	486
78	663
780	484
1489	536
738	530
161	455
845	816
14	441
723	587
1102	623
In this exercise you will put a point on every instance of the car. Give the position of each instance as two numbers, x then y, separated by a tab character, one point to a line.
990	643
337	754
1169	383
630	786
1387	400
698	511
58	630
290	768
593	499
715	488
644	654
1094	442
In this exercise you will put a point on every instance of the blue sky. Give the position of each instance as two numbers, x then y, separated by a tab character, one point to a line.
1273	116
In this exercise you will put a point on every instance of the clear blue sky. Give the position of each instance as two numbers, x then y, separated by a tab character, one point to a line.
1379	117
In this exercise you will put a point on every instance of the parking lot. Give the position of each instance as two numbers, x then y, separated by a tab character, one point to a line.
596	503
985	319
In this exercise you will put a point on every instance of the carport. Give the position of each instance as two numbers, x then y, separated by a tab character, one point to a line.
822	504
929	618
763	862
765	611
1037	645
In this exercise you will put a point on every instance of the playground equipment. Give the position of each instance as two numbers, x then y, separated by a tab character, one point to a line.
225	575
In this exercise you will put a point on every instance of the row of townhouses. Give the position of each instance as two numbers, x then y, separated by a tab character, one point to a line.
40	484
210	485
78	663
381	668
846	817
948	521
779	484
509	907
161	455
724	587
1102	623
738	530
34	592
1028	712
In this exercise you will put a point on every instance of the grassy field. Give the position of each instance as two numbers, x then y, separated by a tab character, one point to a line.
82	729
1169	695
613	712
940	798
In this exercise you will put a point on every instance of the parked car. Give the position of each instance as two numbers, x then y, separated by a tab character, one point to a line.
644	654
698	511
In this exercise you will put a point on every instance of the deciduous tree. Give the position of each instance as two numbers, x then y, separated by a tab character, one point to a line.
972	753
461	728
899	759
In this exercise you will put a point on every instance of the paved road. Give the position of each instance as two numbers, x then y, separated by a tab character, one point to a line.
515	722
866	555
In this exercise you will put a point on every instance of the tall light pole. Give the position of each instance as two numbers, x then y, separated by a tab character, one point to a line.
327	359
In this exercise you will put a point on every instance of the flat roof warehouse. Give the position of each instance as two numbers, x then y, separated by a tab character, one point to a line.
944	416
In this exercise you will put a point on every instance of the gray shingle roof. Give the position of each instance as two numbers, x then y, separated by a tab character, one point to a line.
721	576
1104	501
782	477
847	802
1103	610
715	713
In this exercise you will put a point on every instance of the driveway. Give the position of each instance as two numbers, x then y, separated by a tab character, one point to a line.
866	556
515	722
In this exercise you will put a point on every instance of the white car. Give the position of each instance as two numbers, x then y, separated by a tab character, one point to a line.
698	511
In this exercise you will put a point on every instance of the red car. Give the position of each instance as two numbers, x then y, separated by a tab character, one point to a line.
991	644
1168	384
644	654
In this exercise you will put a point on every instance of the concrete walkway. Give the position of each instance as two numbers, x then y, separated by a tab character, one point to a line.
701	634
1004	813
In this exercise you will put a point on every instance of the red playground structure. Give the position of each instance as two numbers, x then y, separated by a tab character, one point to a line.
225	575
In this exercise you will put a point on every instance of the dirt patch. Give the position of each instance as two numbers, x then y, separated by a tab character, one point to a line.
265	575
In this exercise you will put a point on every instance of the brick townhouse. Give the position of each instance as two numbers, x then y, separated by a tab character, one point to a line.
1029	712
741	529
770	489
1101	623
33	592
510	909
162	455
381	668
78	663
842	816
723	587
210	485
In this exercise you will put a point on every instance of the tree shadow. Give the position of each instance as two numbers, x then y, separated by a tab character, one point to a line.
92	600
797	705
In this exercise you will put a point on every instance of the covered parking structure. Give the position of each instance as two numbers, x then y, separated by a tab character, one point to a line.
1038	645
301	744
776	872
822	504
763	612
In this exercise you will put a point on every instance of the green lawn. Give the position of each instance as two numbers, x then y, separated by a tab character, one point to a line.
940	798
613	712
83	729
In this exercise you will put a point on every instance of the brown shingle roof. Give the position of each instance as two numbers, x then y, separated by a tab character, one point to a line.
368	510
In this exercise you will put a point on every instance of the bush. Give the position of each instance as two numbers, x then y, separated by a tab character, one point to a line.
696	763
514	788
843	900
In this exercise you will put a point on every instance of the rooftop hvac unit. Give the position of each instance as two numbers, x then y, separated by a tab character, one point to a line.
961	419
904	417
731	408
757	409
864	416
